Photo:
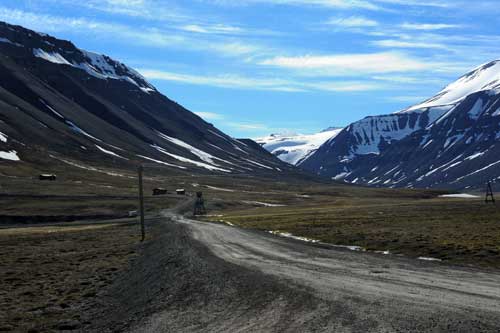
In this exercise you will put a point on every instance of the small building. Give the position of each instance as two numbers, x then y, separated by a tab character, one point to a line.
180	191
133	213
46	176
159	191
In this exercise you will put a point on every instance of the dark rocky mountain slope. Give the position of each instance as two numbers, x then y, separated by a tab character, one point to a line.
449	141
63	105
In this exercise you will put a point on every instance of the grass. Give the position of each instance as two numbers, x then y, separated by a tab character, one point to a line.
458	231
50	275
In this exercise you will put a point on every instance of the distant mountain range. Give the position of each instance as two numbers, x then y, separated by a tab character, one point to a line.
63	105
294	148
451	140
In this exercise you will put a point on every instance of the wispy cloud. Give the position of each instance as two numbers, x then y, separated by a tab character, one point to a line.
429	26
211	29
209	115
351	64
338	4
247	126
147	36
406	99
392	43
222	81
232	81
352	22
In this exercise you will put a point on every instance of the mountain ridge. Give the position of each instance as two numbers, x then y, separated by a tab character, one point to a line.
61	104
293	148
450	140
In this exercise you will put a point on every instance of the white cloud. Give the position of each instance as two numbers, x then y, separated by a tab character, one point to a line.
345	86
222	81
209	115
146	36
338	4
232	81
247	126
392	43
352	22
211	29
350	64
406	99
429	26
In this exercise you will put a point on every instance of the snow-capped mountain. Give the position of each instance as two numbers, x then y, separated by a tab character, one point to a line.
63	105
451	140
294	148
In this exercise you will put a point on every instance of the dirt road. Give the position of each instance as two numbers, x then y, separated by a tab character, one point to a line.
359	291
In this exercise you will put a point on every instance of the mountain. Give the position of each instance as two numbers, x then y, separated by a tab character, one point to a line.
294	148
451	140
63	105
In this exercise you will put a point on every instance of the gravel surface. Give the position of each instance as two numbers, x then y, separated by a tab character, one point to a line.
204	277
349	291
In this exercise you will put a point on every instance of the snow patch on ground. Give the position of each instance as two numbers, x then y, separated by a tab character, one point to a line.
187	160
265	204
259	164
53	57
459	195
109	152
289	235
9	155
99	66
79	130
161	162
3	137
429	259
8	41
219	188
484	77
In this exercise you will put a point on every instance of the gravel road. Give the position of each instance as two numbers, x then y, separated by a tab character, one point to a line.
325	289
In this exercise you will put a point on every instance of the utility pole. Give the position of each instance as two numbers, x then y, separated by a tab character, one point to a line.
489	193
141	202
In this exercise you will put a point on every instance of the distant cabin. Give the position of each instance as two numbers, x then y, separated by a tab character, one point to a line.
181	191
159	191
45	176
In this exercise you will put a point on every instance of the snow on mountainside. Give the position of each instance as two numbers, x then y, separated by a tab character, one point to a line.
451	140
484	77
294	148
60	104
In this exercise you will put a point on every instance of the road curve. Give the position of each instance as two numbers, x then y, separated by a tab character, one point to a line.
399	294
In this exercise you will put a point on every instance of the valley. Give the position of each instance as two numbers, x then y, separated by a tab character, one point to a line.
378	226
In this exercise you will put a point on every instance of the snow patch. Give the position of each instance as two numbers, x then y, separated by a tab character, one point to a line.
295	148
219	188
187	160
429	259
265	204
109	152
52	57
289	235
161	162
3	137
459	195
9	155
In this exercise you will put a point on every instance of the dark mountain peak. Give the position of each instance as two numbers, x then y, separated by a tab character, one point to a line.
63	105
65	53
450	140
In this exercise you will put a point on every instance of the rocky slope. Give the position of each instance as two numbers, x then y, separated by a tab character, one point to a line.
60	104
451	140
294	148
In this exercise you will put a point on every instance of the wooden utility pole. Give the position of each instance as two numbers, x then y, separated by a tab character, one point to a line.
489	194
141	203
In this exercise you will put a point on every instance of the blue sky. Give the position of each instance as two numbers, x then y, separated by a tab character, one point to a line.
254	67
